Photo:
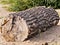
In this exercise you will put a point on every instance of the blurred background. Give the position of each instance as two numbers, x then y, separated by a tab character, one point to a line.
19	5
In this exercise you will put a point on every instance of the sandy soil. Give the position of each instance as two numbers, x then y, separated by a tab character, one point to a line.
51	36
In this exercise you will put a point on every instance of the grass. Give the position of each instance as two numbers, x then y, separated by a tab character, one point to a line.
11	1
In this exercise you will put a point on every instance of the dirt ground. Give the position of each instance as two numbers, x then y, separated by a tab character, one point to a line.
51	36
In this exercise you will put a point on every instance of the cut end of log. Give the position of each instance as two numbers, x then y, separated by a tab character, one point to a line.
19	30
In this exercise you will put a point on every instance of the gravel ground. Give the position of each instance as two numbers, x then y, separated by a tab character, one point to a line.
51	36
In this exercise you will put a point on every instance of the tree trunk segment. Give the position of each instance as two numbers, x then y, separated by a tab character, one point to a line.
25	24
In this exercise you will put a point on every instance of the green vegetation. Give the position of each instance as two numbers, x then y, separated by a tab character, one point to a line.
19	5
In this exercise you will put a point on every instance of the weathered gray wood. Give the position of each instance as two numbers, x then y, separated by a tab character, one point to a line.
24	24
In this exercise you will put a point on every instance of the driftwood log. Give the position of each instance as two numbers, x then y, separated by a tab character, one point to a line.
25	24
